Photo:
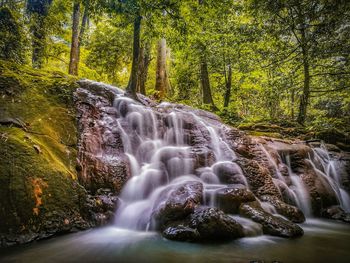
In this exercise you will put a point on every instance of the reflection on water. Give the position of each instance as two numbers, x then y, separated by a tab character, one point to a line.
324	241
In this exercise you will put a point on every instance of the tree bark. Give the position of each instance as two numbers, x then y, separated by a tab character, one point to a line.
83	27
84	22
292	103
74	51
228	86
132	85
162	82
206	91
38	41
304	100
144	61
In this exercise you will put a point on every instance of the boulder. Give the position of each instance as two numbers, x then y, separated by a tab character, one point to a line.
272	225
336	213
213	224
229	173
259	178
181	233
293	213
230	199
181	202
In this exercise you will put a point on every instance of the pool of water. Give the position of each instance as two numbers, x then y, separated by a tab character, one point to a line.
324	241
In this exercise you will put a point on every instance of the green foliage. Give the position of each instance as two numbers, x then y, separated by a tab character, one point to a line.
260	41
12	42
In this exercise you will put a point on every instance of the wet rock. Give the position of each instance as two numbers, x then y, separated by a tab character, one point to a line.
293	213
321	194
229	173
178	204
181	233
102	206
230	199
244	151
336	213
272	225
212	224
202	156
101	159
259	178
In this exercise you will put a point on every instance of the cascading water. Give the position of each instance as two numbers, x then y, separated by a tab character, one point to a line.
162	157
327	170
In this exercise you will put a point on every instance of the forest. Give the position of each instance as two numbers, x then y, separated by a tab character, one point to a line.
281	62
175	131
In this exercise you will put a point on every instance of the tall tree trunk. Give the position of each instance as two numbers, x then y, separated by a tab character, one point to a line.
162	82
144	61
38	41
84	22
132	85
83	27
304	100
206	91
74	51
292	103
228	86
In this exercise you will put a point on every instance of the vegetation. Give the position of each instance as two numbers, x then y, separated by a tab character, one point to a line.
249	61
39	193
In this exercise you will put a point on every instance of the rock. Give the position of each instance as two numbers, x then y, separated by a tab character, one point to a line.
293	213
212	224
37	148
321	194
181	233
272	225
259	178
229	199
244	151
181	202
101	159
336	213
229	173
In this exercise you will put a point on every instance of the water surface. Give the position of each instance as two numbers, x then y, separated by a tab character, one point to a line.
324	241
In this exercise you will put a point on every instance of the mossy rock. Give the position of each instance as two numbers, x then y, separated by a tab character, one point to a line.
39	191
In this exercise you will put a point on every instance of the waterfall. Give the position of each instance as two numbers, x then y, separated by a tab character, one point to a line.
162	156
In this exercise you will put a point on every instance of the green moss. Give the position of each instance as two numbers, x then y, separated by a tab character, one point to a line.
37	165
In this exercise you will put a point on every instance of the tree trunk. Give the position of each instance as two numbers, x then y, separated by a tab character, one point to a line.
84	22
132	85
292	103
74	51
162	82
228	86
83	27
304	100
38	41
206	92
144	61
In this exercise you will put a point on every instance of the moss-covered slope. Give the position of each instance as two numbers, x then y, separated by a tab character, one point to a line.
39	192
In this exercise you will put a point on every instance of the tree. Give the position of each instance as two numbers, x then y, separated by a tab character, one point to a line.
309	29
135	11
144	61
74	52
39	10
162	81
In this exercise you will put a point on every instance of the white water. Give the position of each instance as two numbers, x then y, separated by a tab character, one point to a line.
157	143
